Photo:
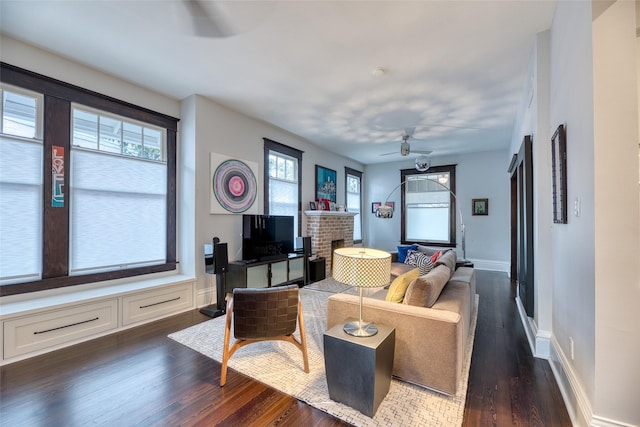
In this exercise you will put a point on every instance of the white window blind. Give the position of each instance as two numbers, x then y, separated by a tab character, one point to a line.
283	187
428	202
20	210
118	212
20	186
354	203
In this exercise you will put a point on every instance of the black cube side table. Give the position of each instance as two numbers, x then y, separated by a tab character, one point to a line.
359	368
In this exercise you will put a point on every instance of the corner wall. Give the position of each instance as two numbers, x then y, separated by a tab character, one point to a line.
593	266
478	176
617	236
211	127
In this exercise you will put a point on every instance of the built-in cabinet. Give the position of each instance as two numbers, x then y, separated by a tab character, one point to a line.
265	274
44	324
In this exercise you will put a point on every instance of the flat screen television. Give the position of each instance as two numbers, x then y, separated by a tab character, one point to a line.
266	237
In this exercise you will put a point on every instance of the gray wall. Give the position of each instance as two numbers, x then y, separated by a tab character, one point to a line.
478	176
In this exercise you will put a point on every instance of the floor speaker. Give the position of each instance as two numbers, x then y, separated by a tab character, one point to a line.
220	258
306	246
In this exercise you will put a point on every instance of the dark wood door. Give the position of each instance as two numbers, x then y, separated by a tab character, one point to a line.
522	261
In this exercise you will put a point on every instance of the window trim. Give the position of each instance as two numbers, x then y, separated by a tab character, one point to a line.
453	226
58	97
357	173
39	110
271	145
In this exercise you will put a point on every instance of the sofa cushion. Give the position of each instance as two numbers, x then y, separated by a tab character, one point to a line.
425	290
400	284
402	251
449	259
430	250
398	268
420	260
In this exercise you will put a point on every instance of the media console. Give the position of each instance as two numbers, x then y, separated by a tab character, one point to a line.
265	274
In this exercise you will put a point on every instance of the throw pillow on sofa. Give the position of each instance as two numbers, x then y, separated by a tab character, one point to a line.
402	251
400	284
425	290
420	260
449	259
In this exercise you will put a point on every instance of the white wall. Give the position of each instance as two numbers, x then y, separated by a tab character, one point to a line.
533	120
593	265
478	176
617	236
220	130
42	62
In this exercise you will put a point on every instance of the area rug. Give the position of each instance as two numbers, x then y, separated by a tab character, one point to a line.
279	365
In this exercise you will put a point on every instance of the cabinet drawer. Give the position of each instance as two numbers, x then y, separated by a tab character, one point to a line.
156	303
58	327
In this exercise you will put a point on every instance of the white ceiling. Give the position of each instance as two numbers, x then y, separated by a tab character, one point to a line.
455	69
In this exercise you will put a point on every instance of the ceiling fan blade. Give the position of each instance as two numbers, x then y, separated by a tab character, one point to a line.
208	19
421	152
388	154
410	131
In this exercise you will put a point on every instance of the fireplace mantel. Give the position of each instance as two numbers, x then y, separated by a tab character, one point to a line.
329	213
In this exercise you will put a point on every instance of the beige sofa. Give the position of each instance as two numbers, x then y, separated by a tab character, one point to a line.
430	341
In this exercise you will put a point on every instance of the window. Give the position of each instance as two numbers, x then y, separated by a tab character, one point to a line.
429	207
353	179
118	188
282	178
20	185
87	186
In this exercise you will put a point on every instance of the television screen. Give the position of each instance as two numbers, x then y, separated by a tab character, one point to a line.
266	237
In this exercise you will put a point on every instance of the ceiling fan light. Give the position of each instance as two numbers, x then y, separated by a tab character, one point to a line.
404	148
422	163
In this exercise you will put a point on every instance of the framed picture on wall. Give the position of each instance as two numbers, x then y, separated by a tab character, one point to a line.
559	175
325	183
480	207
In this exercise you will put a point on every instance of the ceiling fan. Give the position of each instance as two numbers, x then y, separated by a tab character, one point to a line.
405	148
221	19
208	18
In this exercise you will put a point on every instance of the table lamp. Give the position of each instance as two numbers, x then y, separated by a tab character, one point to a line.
362	268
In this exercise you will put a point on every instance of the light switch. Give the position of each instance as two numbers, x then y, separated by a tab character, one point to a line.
577	206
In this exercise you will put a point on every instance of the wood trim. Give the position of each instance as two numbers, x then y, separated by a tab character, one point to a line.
59	89
270	144
58	97
452	203
55	230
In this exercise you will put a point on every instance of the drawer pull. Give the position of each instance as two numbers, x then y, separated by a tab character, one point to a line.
158	303
65	326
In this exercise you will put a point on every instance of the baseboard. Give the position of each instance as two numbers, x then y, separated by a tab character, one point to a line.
486	264
575	397
204	297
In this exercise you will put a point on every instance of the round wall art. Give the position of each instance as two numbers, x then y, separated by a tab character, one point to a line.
234	185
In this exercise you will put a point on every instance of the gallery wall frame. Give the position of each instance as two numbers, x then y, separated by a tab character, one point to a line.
233	187
326	183
480	207
559	174
376	205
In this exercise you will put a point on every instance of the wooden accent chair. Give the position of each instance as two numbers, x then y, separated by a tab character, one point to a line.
260	315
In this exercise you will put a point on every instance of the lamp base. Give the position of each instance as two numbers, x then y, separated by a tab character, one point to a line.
360	329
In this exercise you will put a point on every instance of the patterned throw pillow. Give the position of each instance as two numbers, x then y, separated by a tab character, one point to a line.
402	251
420	260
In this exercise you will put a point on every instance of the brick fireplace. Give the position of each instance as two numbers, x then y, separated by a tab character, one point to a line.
329	230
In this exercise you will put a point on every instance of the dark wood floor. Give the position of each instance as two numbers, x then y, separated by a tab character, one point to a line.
140	377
